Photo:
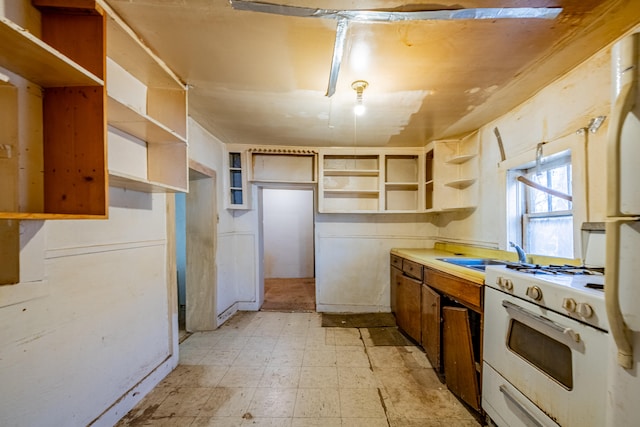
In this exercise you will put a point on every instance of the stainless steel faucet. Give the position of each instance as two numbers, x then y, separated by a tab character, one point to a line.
522	256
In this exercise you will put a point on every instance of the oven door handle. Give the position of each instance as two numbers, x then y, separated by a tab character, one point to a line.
517	311
504	390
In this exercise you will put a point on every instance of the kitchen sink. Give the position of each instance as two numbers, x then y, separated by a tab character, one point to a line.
473	263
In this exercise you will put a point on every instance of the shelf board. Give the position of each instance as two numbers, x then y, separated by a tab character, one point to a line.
43	216
401	186
458	208
146	128
460	183
269	181
125	47
130	182
355	192
351	172
398	211
456	160
23	53
350	211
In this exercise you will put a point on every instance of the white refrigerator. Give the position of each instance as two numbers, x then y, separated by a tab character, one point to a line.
622	266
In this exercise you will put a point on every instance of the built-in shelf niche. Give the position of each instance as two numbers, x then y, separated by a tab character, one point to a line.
237	196
402	182
148	102
367	181
283	165
68	178
428	186
350	183
456	173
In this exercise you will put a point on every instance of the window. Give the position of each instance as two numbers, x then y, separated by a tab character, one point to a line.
546	207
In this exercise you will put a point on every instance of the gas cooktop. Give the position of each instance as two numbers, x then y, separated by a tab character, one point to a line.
556	269
559	289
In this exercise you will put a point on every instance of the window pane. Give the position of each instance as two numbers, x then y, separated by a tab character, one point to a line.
557	178
551	236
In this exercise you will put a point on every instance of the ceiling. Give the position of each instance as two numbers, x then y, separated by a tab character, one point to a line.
259	78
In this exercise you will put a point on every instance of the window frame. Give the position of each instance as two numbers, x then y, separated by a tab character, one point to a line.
512	167
562	159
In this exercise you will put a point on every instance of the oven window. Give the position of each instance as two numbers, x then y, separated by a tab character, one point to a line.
543	352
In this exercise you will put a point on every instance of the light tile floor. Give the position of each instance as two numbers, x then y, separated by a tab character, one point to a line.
284	369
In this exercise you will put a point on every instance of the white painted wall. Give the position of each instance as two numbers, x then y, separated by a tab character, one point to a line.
237	250
89	329
554	113
352	257
97	323
288	233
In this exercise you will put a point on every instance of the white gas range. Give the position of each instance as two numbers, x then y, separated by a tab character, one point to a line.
545	339
574	292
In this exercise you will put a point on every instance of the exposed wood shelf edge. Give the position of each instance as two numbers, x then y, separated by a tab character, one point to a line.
456	160
43	216
146	128
355	192
26	55
130	182
137	58
460	183
353	172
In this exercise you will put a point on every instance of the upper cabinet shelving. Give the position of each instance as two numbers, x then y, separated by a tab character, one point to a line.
33	59
65	176
455	173
402	183
364	181
148	102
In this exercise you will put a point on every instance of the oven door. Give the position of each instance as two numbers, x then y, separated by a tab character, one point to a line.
555	362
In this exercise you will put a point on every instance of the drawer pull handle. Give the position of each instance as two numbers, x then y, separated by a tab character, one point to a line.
504	390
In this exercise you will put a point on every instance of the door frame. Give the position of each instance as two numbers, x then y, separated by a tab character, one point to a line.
281	186
205	315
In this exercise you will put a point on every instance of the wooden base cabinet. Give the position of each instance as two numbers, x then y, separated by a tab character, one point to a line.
431	323
408	306
452	310
396	274
445	315
459	361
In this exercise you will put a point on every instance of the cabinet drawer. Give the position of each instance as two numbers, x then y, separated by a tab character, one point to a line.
396	261
412	269
463	291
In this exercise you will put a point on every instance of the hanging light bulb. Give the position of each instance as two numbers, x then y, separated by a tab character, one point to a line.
359	86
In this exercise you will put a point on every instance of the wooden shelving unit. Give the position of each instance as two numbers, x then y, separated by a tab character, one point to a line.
455	173
68	62
147	101
402	183
237	181
282	165
368	181
349	183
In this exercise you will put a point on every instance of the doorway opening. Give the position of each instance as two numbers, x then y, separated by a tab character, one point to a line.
288	249
196	231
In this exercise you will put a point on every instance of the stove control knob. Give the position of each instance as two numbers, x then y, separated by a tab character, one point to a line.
584	310
534	292
508	284
569	304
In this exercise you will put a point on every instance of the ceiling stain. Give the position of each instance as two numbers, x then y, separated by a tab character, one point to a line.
261	79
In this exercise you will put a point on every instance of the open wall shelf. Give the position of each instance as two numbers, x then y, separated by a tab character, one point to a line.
69	180
148	102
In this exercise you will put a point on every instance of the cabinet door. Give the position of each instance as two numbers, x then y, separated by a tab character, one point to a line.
396	275
459	363
431	325
408	306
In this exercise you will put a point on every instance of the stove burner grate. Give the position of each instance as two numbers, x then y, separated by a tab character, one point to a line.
556	269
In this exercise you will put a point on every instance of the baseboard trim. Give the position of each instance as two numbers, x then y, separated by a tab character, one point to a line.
131	398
